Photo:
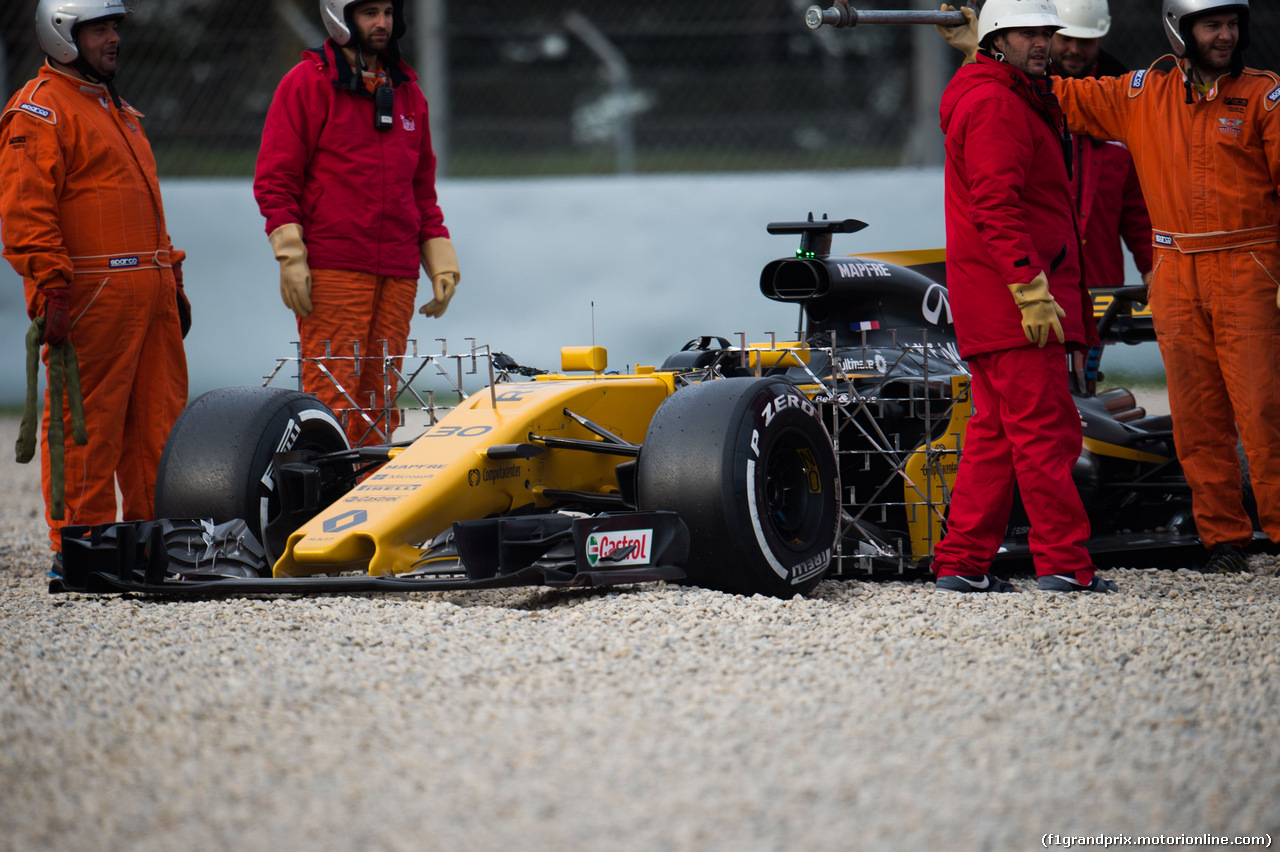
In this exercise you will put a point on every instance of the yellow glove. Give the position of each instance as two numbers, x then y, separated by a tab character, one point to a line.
295	277
963	37
441	263
1040	313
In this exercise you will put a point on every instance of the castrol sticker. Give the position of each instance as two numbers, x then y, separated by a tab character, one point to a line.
619	547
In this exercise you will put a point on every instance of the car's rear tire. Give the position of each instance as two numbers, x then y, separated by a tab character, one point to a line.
750	468
218	460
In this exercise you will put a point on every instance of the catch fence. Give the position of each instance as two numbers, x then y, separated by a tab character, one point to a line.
577	87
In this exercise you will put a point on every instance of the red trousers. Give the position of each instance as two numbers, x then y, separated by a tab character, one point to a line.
1219	333
133	375
357	311
1025	431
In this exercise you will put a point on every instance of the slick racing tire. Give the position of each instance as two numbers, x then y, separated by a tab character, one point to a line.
218	461
750	468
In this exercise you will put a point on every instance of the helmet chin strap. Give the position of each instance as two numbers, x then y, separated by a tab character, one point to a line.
357	79
87	71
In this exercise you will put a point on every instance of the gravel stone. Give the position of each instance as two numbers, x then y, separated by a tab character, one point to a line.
870	715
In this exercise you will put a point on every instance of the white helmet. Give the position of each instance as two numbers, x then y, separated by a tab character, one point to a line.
335	14
1176	13
1084	18
1013	14
56	22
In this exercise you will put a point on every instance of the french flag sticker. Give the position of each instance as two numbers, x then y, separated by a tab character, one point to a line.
865	326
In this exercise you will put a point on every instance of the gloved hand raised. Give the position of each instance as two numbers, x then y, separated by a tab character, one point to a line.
963	37
441	262
295	276
57	315
1040	313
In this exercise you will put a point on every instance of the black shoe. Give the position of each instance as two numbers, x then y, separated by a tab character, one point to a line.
55	572
969	585
1068	583
1225	559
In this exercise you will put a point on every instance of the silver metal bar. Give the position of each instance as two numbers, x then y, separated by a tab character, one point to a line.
842	16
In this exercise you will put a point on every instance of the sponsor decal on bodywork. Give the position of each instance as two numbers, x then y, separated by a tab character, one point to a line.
475	476
936	304
345	521
864	270
877	364
620	547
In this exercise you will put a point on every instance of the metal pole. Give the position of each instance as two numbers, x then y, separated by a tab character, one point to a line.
843	15
429	22
930	72
618	72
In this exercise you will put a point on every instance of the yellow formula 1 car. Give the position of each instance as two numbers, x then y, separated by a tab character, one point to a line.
752	468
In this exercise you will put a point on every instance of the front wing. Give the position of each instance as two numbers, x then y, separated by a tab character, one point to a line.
554	550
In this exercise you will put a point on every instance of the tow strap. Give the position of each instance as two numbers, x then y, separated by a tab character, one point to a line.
64	374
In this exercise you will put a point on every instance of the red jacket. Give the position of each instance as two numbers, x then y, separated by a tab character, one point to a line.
366	198
1111	208
1108	199
1008	207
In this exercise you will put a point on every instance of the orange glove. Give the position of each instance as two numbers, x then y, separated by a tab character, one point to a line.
963	37
57	315
1040	313
295	276
441	262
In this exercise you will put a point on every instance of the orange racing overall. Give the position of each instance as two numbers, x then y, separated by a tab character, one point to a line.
80	208
1210	171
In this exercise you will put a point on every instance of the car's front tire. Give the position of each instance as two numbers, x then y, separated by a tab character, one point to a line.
750	468
219	459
